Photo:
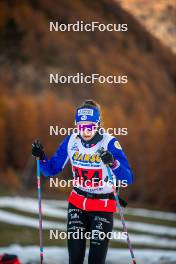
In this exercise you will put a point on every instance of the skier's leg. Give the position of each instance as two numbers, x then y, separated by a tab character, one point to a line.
77	222
100	222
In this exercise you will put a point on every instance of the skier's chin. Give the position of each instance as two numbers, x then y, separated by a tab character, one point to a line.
87	138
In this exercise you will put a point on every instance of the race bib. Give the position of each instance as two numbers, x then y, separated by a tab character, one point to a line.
87	177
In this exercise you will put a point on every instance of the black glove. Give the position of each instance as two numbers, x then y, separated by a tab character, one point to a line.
107	157
37	150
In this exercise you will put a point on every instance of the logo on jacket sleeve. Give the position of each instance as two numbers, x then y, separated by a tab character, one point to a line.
117	145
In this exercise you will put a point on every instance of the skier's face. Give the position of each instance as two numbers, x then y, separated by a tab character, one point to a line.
86	129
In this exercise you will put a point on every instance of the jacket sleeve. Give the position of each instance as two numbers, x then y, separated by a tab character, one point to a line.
121	167
51	167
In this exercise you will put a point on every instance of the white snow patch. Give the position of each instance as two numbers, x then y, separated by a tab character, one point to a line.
147	228
54	255
20	220
31	205
151	214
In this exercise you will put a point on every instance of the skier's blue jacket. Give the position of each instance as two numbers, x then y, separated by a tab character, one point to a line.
82	157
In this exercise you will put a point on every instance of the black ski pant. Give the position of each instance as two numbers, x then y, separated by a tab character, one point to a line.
81	222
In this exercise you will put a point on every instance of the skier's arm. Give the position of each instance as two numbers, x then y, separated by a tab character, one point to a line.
53	166
121	167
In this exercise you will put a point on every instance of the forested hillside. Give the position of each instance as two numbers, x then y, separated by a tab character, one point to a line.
29	104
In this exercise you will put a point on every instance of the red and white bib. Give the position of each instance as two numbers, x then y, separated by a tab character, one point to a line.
90	175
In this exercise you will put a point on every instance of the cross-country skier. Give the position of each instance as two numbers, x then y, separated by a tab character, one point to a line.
91	203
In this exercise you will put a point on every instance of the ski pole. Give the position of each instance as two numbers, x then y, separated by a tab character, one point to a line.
122	218
40	210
